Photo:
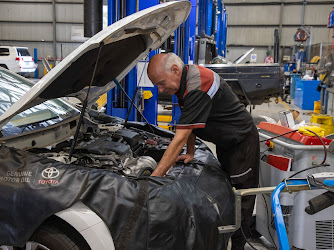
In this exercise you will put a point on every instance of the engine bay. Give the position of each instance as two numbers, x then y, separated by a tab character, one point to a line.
105	143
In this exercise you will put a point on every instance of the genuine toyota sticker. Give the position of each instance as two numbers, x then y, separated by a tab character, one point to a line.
50	173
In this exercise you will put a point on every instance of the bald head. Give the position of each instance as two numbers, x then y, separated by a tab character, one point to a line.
165	71
156	65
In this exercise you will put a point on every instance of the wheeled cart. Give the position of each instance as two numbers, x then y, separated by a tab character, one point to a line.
294	153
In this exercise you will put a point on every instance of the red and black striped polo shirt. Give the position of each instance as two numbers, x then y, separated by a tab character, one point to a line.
210	107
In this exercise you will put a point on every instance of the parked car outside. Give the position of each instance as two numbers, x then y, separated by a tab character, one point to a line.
17	59
102	197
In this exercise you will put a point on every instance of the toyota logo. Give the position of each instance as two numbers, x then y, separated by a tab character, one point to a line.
50	173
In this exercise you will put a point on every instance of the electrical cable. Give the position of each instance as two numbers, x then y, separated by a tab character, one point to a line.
305	169
267	213
262	154
323	144
279	135
264	198
243	234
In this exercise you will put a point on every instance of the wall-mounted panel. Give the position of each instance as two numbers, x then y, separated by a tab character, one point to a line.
316	14
321	35
25	12
70	1
26	31
32	1
250	36
292	14
254	15
243	1
69	13
64	32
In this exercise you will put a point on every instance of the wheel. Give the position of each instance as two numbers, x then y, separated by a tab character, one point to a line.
56	234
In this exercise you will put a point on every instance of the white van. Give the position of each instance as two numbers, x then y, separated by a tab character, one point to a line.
17	59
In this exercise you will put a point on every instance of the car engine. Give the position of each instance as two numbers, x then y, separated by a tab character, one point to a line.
105	143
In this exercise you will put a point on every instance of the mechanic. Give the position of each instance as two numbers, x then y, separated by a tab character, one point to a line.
211	111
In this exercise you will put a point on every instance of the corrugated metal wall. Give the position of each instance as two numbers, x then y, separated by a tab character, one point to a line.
30	23
251	23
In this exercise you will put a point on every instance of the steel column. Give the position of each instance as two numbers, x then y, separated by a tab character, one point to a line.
181	48
205	16
118	9
208	17
224	32
280	24
220	32
131	78
54	25
192	30
151	105
36	61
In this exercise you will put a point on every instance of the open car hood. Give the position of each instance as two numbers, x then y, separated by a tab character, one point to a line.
124	44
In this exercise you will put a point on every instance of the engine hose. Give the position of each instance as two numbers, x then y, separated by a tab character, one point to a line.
320	203
142	171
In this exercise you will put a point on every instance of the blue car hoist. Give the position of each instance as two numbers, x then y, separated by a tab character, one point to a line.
212	19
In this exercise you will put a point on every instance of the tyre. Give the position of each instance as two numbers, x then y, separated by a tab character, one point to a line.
55	234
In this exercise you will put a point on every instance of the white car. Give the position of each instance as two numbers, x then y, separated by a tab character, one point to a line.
101	196
17	59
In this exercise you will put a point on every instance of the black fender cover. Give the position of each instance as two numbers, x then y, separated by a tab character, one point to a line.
180	211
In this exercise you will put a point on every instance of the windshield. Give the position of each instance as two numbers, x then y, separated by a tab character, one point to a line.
22	52
12	88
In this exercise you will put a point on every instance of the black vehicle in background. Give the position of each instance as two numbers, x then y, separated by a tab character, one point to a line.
254	84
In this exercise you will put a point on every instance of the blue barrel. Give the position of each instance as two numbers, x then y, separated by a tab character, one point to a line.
306	93
293	85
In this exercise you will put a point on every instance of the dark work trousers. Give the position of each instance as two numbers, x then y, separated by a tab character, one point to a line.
241	163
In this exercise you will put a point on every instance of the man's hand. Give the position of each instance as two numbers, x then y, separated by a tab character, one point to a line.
172	152
187	158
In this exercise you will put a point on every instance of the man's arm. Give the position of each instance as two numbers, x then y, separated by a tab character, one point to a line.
189	156
172	152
